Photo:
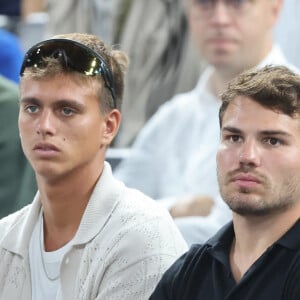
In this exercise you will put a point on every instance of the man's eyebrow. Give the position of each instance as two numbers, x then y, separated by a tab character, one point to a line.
62	102
30	100
231	129
275	132
263	132
68	102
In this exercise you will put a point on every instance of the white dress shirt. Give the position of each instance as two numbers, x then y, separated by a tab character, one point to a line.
175	154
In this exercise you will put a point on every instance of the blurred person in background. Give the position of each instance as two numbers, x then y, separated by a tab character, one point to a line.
85	16
173	158
163	61
286	33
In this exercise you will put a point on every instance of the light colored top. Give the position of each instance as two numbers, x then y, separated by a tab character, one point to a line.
45	266
286	31
163	61
175	154
86	16
122	247
180	136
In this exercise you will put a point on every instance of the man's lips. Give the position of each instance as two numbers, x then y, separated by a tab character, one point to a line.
221	41
217	39
45	150
45	147
246	177
246	180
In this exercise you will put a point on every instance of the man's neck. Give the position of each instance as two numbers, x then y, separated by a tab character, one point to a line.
254	235
222	75
64	203
219	80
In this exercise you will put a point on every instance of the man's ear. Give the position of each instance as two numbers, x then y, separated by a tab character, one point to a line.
276	7
112	122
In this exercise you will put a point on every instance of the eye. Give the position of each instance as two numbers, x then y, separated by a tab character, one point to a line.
31	108
67	111
273	141
230	138
234	138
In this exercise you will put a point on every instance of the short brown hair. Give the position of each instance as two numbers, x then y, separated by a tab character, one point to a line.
274	87
116	60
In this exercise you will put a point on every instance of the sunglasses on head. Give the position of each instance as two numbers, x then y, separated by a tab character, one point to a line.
72	55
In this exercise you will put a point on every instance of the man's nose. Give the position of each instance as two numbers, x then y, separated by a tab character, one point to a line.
249	153
220	13
46	123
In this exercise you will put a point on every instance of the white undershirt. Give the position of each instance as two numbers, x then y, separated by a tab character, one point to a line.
44	266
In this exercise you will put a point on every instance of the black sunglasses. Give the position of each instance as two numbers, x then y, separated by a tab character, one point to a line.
72	55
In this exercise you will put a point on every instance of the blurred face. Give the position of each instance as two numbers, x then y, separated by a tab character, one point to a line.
233	33
258	159
61	126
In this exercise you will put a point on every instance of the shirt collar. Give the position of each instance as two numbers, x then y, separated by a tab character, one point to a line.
275	56
224	237
291	239
220	244
103	201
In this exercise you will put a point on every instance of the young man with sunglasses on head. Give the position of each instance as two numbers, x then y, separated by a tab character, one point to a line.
86	235
173	157
257	256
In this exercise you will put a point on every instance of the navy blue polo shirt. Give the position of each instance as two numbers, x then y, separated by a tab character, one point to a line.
204	272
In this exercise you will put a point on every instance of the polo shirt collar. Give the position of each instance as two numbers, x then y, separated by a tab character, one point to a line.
224	237
291	239
220	244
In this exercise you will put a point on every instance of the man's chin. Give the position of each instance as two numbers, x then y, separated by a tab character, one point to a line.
222	63
48	173
247	210
245	203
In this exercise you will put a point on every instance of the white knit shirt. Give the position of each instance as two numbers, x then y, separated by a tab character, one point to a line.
123	245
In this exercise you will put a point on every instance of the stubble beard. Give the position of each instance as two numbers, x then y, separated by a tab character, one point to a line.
248	202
